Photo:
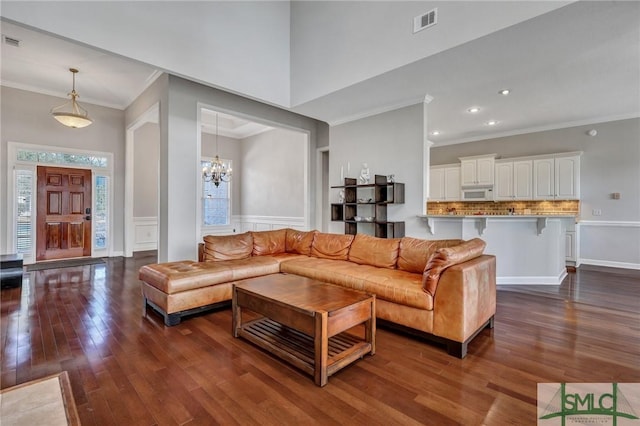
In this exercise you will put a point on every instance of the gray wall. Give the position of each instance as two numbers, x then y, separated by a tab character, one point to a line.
224	43
610	163
335	44
390	143
273	174
25	118
146	155
179	154
228	149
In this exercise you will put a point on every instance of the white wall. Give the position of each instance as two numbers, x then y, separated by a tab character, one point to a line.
390	143
146	154
335	44
180	152
226	44
610	163
273	180
25	118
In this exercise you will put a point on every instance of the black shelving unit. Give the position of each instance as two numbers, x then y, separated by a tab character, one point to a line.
369	201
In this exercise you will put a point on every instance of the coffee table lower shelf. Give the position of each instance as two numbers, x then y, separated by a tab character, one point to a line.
298	349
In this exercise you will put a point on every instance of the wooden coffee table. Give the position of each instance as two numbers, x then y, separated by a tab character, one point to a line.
304	322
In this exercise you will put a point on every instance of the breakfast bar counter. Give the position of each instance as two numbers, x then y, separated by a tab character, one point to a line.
529	249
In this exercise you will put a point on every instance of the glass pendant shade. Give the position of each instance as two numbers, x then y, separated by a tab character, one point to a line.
71	114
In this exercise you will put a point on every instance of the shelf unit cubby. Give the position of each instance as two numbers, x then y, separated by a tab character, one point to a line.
369	201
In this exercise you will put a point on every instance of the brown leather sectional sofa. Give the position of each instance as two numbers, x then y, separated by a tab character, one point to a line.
442	289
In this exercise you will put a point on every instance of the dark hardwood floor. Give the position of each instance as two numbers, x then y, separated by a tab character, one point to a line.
126	369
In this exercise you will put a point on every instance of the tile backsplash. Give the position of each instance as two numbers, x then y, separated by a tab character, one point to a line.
571	207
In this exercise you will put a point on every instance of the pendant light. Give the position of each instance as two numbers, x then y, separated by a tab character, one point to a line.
217	171
71	114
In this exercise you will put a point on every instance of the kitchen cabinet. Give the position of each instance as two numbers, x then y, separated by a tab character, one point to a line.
477	170
444	183
556	178
513	180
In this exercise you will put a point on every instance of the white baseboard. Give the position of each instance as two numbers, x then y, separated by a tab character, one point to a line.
610	263
541	280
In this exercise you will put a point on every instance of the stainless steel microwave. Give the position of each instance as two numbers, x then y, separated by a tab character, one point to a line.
477	194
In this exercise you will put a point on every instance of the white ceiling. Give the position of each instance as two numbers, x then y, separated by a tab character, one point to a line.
575	65
229	125
579	64
41	64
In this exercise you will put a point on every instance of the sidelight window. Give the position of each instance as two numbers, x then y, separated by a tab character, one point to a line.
24	225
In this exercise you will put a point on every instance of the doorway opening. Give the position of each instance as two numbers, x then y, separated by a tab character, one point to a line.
63	220
26	231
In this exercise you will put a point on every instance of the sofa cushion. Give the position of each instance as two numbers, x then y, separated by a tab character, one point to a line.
227	247
331	246
269	242
395	286
299	242
401	287
380	252
414	253
174	277
325	270
449	256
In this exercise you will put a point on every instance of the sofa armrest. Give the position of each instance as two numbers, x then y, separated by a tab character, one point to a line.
200	252
465	298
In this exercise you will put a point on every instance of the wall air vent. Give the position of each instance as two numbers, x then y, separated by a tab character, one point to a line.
425	20
11	41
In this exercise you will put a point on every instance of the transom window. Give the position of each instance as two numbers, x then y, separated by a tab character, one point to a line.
64	158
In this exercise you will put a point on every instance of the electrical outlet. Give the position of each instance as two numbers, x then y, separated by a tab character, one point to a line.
596	212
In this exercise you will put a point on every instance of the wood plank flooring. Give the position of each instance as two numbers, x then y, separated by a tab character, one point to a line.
126	369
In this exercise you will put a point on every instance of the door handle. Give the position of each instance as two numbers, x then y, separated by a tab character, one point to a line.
87	217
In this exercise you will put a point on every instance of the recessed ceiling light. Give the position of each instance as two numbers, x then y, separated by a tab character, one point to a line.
504	92
491	122
435	132
473	110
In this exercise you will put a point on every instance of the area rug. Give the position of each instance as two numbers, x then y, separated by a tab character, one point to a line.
66	263
47	401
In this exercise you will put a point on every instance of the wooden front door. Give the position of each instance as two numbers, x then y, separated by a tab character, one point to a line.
64	213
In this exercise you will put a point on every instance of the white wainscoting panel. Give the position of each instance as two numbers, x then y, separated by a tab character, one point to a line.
145	233
610	243
245	223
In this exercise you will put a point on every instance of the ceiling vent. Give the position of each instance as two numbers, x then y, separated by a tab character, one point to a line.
11	41
425	20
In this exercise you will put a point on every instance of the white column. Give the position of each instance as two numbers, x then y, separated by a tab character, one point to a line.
426	157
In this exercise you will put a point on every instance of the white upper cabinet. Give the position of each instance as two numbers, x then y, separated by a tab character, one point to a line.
444	183
477	170
556	178
513	180
523	180
436	183
504	181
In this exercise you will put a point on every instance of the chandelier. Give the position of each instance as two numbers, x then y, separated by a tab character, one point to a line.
71	114
217	171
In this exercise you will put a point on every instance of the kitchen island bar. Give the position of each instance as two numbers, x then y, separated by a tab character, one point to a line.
529	249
